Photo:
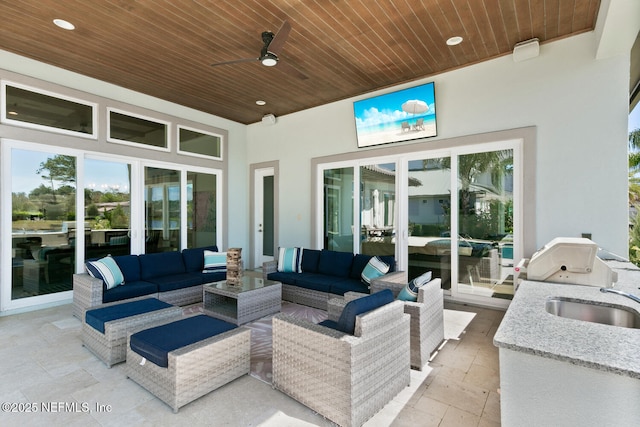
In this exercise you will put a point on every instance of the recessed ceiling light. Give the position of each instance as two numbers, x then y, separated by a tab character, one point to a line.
261	102
66	25
452	41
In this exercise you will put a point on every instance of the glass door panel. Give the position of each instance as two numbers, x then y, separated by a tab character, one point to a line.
485	224
429	214
378	209
43	209
162	210
338	209
107	204
201	209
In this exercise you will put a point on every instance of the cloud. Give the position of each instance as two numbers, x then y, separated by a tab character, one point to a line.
373	116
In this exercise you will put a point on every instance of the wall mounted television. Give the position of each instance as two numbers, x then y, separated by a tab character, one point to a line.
397	116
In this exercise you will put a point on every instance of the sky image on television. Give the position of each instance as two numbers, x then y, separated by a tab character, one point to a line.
397	116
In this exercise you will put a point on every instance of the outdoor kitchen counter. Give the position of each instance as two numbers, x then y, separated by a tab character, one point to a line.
528	328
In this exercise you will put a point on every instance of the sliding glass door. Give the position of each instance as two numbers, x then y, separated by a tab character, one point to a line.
454	214
429	218
485	223
162	207
43	226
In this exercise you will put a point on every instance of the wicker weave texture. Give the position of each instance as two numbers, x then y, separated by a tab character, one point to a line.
194	370
185	296
111	347
346	379
243	307
87	293
427	316
308	297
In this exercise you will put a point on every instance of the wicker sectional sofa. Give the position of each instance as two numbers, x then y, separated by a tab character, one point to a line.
173	277
325	274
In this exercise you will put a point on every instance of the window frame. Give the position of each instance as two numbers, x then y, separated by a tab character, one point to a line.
113	140
192	154
4	117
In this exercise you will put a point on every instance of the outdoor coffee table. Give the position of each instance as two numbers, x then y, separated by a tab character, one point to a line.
240	302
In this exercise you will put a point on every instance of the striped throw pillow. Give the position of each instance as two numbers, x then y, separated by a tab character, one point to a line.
214	262
374	268
410	292
290	260
106	270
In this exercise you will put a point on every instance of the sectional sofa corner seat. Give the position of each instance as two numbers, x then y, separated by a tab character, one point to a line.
174	277
325	274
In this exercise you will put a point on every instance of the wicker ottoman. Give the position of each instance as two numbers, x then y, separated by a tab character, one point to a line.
183	360
105	327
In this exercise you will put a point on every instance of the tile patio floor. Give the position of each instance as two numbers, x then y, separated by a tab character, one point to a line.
42	360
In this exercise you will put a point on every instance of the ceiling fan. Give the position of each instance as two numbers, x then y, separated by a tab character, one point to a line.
272	46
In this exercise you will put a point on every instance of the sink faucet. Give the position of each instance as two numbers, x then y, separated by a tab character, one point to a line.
624	294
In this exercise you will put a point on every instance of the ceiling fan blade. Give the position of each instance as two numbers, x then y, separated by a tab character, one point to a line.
279	38
235	61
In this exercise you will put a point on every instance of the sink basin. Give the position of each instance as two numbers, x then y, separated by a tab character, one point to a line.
590	312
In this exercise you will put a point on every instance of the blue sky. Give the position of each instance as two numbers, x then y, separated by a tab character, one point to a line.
388	107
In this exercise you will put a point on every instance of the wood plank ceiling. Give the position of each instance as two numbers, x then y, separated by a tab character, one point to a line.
345	48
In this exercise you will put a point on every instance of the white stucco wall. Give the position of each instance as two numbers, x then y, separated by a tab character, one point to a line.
578	104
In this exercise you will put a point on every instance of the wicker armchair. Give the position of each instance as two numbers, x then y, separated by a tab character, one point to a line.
345	378
427	315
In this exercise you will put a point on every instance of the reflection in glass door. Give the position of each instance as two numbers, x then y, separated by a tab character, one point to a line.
429	211
43	209
338	209
485	224
378	209
201	209
162	210
107	204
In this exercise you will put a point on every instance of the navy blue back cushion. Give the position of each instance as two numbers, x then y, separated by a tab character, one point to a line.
155	344
335	263
97	317
194	258
347	320
359	263
130	267
161	264
310	260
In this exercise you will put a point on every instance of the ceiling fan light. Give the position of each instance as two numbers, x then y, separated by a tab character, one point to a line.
65	25
269	59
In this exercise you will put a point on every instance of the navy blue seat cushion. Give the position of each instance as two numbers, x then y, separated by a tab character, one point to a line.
155	344
97	317
161	264
130	267
177	281
334	263
194	258
347	321
129	290
286	278
310	260
315	281
349	285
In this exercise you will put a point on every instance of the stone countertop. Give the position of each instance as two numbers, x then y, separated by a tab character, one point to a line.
528	328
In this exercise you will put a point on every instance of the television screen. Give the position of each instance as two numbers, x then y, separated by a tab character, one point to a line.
398	116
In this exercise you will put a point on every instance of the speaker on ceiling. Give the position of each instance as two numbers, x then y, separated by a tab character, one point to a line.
269	119
526	50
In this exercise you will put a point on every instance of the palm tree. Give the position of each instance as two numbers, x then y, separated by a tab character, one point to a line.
634	194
